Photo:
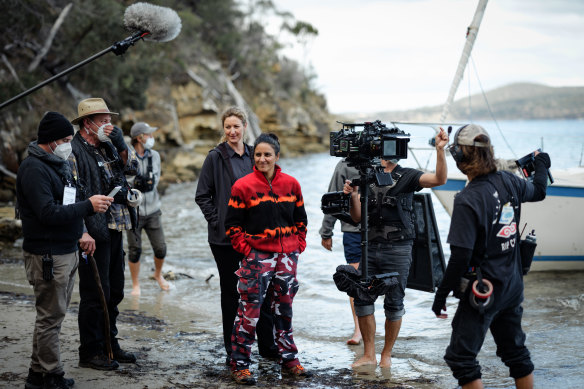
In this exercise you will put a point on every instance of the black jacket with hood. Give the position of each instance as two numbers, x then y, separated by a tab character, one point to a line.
48	226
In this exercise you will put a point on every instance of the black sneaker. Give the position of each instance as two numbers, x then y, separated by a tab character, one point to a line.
34	380
57	381
100	362
124	356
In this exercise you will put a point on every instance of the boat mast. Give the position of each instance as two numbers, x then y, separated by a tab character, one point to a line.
471	35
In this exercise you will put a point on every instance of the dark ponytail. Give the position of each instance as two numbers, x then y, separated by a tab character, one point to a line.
270	139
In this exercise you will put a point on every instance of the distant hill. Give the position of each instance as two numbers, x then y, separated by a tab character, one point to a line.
513	101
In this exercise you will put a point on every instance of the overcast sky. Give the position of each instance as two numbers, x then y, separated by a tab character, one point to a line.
378	55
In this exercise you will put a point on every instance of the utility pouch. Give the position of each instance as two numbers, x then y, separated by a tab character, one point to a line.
527	251
465	282
47	268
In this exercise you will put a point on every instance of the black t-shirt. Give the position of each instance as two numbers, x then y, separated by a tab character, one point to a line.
406	180
484	220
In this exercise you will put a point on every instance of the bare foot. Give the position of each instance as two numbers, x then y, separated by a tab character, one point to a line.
162	283
135	290
364	361
355	339
385	360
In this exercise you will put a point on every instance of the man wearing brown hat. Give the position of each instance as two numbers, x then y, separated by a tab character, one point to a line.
103	160
52	223
150	214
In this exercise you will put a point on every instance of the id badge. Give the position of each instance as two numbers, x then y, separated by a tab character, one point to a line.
69	195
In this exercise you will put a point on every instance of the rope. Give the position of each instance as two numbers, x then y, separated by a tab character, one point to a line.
489	107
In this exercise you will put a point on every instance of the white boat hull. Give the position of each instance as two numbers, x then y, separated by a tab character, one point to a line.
558	222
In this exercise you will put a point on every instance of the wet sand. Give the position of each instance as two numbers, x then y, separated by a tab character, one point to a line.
160	364
168	356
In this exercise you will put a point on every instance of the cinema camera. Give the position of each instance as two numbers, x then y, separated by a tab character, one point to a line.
364	146
364	149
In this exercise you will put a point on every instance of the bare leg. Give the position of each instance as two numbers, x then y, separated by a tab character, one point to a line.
158	274
476	384
391	332
356	338
135	272
367	325
524	382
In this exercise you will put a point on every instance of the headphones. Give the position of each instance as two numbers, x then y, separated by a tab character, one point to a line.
455	149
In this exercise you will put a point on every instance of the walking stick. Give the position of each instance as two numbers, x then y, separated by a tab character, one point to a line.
108	344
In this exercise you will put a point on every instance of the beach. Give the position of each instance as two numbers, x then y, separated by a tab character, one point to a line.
177	335
166	358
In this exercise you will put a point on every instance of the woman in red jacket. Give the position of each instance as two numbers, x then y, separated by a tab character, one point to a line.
266	222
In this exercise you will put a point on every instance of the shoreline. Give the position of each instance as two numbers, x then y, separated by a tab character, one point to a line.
167	357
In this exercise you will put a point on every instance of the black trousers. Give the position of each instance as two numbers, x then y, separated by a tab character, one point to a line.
109	257
469	329
228	261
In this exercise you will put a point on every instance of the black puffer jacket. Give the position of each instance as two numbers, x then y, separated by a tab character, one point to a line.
48	226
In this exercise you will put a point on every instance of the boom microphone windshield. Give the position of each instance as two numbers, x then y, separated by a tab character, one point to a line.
146	21
163	24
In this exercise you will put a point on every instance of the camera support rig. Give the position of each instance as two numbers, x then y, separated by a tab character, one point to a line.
364	151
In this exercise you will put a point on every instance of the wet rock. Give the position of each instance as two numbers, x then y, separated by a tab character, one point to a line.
10	229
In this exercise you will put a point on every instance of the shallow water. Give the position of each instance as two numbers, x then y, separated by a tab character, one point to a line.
553	317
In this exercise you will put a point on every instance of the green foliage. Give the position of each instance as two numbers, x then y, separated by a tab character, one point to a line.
301	29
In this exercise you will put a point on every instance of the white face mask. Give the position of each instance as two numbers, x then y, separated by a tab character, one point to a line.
149	143
62	151
100	132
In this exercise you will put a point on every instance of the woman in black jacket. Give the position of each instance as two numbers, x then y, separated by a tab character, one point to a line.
226	163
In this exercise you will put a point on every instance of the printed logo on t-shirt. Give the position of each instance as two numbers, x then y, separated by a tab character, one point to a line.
506	214
507	231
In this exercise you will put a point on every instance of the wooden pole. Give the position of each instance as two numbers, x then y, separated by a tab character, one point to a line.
108	343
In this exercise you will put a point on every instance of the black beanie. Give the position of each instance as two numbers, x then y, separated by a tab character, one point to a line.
54	126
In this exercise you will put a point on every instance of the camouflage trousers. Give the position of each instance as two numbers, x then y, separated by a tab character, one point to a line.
261	275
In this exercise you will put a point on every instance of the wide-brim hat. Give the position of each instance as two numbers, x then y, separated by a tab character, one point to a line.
91	106
141	128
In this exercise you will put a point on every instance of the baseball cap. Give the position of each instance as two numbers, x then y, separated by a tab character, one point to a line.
141	128
466	136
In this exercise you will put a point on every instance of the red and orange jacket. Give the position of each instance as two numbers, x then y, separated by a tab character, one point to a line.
269	218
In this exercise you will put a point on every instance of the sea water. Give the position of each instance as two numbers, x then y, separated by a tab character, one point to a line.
322	316
553	315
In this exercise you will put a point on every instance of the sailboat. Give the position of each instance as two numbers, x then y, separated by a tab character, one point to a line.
557	221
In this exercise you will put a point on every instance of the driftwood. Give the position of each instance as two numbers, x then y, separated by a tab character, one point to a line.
7	172
13	73
253	125
49	41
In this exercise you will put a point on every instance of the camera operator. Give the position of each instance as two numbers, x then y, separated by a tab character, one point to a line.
52	224
484	235
103	160
150	214
391	235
